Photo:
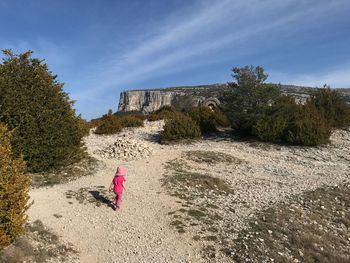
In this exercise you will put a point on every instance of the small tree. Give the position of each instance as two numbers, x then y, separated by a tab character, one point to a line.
14	188
248	98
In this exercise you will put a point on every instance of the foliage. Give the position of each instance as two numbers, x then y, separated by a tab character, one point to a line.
179	127
248	98
131	121
110	124
207	119
84	126
332	107
32	101
136	114
292	123
164	112
307	127
14	191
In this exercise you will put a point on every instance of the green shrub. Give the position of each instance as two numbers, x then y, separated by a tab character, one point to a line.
131	121
163	113
179	127
110	124
308	127
272	125
14	191
32	101
332	107
292	123
207	119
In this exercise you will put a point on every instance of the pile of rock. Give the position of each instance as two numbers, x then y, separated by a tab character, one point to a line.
125	149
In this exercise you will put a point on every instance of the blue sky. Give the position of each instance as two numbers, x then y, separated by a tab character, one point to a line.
100	48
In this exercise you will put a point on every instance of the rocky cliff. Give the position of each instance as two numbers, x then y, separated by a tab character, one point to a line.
150	100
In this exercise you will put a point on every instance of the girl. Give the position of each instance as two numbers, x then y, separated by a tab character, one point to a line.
118	186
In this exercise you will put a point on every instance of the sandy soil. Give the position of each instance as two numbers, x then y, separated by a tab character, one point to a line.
141	231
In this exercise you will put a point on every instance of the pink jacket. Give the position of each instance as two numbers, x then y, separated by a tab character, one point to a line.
118	183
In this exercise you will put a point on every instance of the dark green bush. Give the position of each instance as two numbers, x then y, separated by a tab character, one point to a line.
272	125
179	127
32	101
292	123
14	191
308	127
110	124
207	119
163	113
332	107
131	121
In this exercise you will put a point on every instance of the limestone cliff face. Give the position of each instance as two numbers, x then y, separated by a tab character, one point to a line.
150	100
147	101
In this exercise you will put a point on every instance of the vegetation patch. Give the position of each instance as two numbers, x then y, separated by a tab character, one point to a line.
38	245
85	167
311	228
199	193
97	195
178	128
211	157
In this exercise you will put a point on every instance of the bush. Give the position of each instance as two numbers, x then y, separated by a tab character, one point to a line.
32	101
292	123
14	188
131	121
164	112
84	126
332	107
110	124
308	127
272	125
179	127
207	119
136	114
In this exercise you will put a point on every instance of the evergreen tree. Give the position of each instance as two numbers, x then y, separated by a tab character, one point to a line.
32	101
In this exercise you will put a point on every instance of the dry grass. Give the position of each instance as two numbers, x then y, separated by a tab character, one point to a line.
85	167
311	228
211	157
199	193
39	245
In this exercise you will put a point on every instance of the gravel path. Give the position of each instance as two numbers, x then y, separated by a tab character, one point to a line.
141	232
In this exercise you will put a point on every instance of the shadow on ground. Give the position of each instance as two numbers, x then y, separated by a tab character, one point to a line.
101	198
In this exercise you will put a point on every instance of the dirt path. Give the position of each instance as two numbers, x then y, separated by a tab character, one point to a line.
141	232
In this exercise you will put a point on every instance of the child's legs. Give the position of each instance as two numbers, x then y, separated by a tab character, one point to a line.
118	199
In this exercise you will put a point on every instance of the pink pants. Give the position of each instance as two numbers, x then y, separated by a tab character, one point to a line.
118	199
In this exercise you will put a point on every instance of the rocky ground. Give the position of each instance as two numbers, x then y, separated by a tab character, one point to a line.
185	203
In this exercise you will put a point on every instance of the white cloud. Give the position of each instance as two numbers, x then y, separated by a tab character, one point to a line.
211	26
336	78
